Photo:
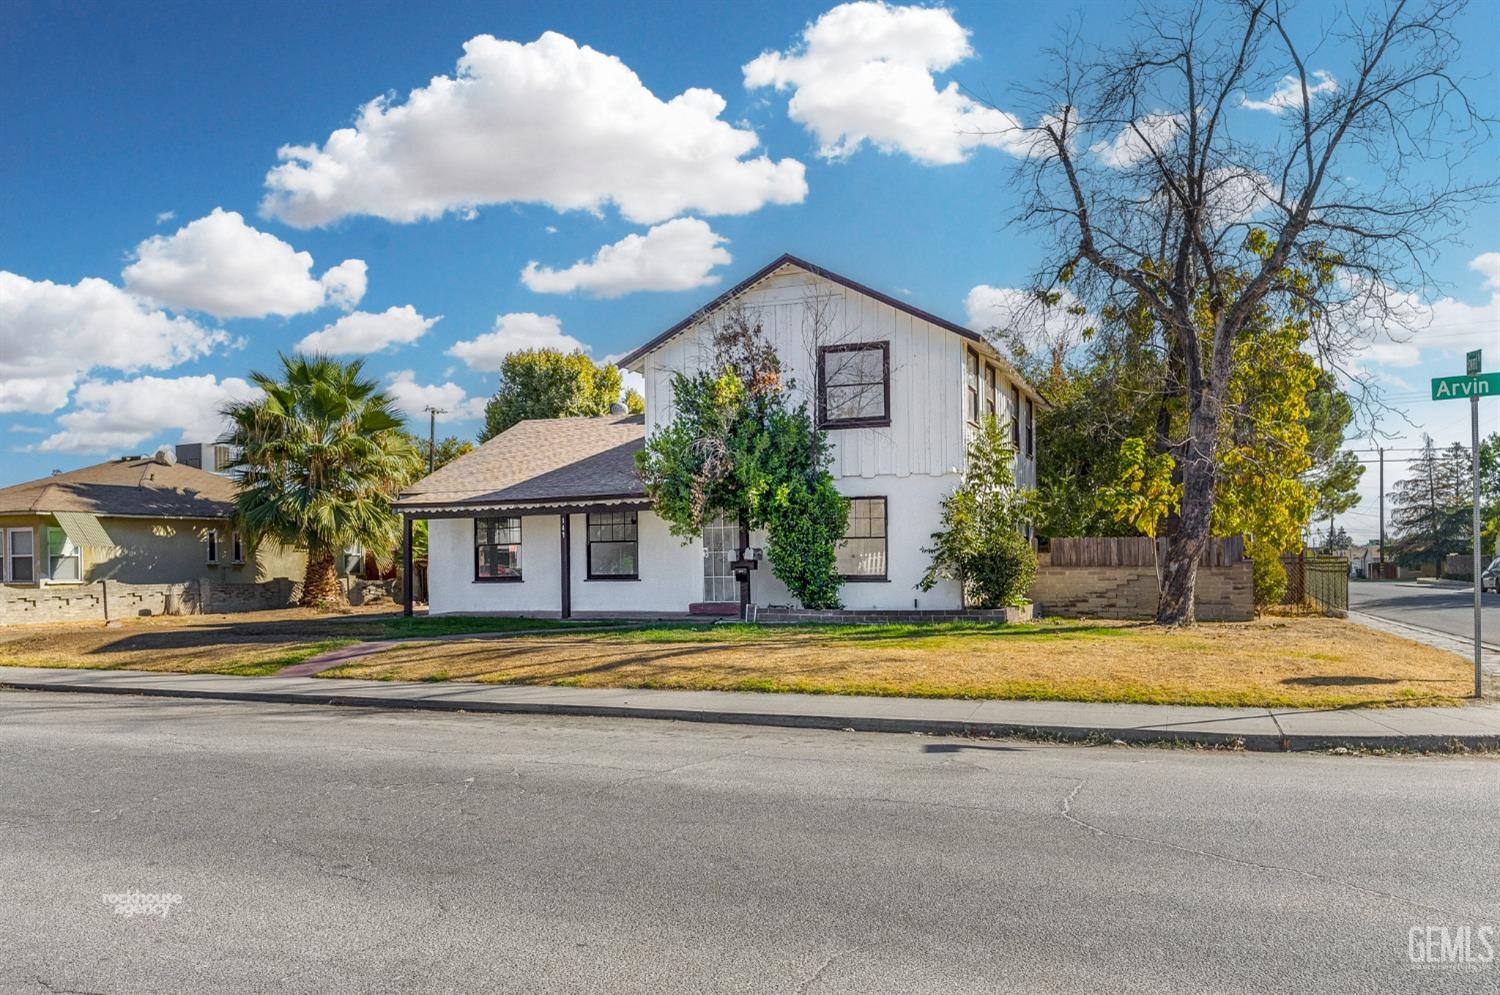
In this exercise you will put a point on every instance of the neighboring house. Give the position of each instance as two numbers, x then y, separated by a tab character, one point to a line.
138	520
550	517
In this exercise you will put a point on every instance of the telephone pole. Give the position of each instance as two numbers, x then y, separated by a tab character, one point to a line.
432	414
1382	512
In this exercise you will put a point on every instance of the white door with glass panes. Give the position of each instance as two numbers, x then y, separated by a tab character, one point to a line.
720	542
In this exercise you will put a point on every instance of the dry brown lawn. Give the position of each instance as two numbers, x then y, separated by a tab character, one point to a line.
1273	662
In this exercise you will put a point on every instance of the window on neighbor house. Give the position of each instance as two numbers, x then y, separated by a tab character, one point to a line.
854	385
236	547
971	386
497	549
1015	417
20	556
613	546
211	546
64	560
989	391
1030	430
862	554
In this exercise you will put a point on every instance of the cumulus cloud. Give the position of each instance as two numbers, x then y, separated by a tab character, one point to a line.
1024	322
513	332
1135	143
414	398
52	334
548	122
221	266
162	217
677	255
863	72
111	417
1487	264
1288	92
365	331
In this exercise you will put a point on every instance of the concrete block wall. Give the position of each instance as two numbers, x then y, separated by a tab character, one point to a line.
105	600
1225	594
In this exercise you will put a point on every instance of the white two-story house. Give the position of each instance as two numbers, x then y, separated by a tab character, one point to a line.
549	518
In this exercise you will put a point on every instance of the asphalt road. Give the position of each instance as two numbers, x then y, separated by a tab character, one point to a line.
1446	609
333	850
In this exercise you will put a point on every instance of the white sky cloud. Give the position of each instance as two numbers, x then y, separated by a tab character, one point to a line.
414	398
1288	92
512	332
113	417
862	72
221	266
548	122
676	255
52	334
162	217
365	331
1135	143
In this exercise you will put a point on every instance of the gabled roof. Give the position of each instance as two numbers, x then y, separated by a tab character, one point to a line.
138	487
787	259
544	460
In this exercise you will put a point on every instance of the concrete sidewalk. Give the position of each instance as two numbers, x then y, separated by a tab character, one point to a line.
1475	727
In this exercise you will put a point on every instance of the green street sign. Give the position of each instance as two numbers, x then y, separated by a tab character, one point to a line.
1460	388
1472	362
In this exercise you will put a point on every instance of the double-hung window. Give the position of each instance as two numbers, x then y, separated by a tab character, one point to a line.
236	548
971	386
1015	418
1030	430
862	554
497	549
64	559
854	385
613	552
211	546
989	392
20	556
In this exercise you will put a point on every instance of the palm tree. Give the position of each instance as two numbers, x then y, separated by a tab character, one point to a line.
321	456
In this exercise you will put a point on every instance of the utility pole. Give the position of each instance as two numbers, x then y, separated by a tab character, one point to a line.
1382	512
1478	651
432	414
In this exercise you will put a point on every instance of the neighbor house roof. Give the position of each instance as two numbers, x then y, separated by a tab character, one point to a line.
541	462
632	359
134	487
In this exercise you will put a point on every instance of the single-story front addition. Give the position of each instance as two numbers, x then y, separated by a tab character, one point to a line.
550	518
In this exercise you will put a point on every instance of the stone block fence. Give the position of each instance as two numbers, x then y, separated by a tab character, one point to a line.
105	600
1115	578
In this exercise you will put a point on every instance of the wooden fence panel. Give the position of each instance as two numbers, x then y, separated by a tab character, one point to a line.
1135	551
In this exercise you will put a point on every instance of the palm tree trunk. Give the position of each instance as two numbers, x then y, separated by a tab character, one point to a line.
320	582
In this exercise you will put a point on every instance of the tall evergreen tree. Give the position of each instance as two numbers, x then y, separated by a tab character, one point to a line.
1430	508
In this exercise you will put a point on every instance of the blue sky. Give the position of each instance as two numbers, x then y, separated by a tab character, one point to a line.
128	123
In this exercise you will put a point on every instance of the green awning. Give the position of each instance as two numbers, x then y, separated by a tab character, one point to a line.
83	529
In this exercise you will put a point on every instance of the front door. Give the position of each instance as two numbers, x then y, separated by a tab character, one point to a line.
720	543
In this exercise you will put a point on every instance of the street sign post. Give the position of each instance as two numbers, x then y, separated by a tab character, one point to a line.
1473	385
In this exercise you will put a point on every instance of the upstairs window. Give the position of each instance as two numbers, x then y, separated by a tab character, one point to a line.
971	386
1015	418
497	549
613	546
854	385
989	392
1030	430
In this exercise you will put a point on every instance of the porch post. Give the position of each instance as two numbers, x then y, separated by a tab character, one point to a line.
744	574
567	564
406	592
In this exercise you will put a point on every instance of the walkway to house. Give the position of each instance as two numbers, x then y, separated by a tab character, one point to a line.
1472	727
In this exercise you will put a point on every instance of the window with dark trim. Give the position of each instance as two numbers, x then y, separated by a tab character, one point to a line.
854	385
1030	430
989	391
862	554
613	546
971	386
497	549
236	547
211	546
1015	417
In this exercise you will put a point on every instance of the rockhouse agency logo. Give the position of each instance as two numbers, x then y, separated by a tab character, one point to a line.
1451	946
139	903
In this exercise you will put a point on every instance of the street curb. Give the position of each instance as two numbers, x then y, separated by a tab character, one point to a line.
931	727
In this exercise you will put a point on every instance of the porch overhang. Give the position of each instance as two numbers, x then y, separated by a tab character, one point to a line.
557	506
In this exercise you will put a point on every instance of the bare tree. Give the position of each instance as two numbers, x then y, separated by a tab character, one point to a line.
1212	171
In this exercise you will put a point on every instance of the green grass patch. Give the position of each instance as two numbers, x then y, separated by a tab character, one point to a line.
919	634
460	625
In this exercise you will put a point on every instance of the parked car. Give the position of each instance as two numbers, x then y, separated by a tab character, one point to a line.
1490	579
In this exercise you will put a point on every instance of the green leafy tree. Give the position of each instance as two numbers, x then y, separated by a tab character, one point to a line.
1431	511
322	455
1335	486
448	449
980	544
634	402
737	449
549	383
1489	493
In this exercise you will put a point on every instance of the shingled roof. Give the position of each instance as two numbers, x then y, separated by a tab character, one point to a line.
543	461
137	487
